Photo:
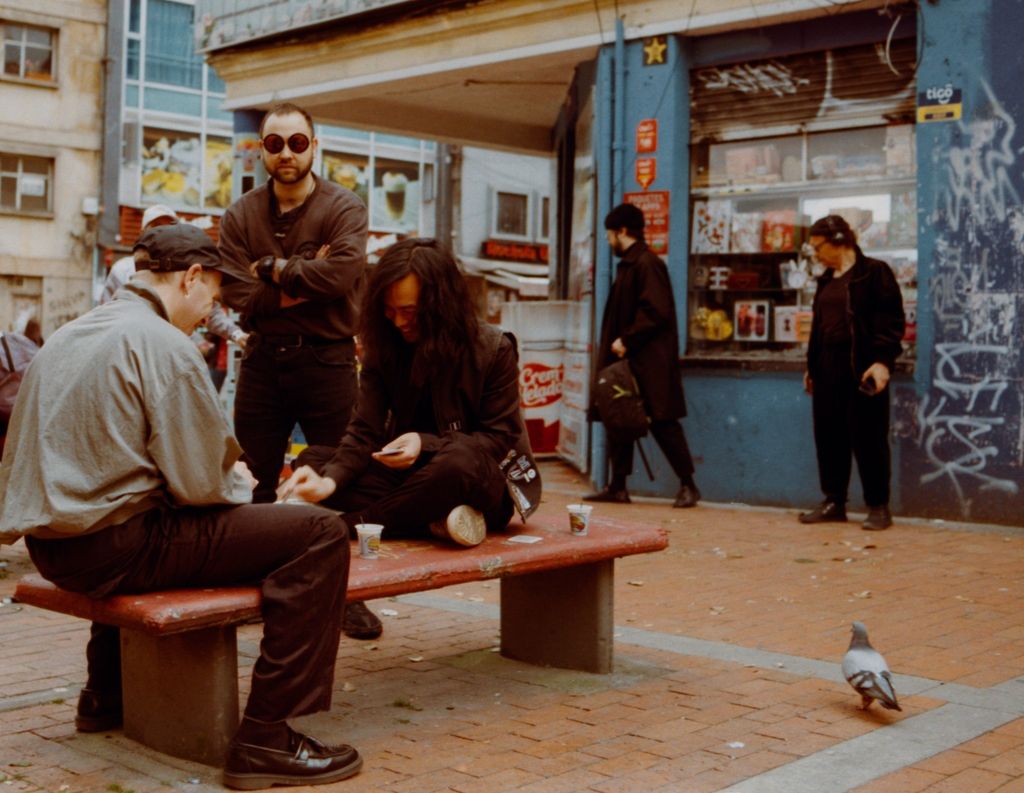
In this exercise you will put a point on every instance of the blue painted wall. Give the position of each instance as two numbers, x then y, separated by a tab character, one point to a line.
961	433
750	434
958	422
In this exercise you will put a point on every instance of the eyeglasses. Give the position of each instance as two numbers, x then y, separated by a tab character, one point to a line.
274	144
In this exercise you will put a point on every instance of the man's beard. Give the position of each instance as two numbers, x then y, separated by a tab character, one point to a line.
297	176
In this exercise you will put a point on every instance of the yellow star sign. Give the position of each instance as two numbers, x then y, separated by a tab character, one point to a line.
654	50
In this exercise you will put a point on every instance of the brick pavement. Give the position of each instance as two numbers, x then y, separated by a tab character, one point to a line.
726	675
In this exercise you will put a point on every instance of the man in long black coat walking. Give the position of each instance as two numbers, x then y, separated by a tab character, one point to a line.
640	324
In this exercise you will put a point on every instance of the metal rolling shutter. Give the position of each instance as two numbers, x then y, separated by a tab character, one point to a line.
830	89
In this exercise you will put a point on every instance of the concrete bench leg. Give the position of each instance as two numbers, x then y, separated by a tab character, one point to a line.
181	691
560	617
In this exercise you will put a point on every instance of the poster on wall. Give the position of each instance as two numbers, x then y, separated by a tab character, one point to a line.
654	205
396	196
348	170
217	179
171	167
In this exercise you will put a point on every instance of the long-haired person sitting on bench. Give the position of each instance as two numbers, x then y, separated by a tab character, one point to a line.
437	414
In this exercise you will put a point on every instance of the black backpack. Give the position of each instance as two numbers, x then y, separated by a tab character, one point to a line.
619	404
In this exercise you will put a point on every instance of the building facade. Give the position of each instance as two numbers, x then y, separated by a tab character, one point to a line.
734	124
181	147
51	89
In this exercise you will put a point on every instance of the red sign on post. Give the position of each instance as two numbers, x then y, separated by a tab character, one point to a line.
647	136
646	171
654	205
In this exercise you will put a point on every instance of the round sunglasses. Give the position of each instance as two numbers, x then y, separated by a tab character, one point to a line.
274	144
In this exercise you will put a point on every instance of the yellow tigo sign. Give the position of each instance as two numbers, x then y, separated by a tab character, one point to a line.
939	103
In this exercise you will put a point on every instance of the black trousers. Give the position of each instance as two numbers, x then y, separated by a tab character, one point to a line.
406	502
670	438
849	423
313	386
298	554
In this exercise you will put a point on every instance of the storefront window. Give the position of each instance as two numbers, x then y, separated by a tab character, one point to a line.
751	273
395	205
171	167
348	170
217	178
754	195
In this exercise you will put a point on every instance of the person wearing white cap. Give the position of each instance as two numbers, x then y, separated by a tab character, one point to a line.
218	322
124	268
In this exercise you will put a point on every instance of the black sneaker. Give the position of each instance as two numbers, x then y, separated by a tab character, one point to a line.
360	623
879	519
826	512
98	711
609	496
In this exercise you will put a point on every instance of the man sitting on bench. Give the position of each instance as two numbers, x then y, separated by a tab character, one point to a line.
436	433
122	476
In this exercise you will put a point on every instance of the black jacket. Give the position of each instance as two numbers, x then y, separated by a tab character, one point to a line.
874	308
642	312
476	407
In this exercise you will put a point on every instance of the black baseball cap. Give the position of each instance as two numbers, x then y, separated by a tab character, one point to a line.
177	247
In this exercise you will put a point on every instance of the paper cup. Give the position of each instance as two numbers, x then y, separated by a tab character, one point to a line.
579	518
369	539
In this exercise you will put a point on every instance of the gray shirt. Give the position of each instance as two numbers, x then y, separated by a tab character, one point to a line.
115	416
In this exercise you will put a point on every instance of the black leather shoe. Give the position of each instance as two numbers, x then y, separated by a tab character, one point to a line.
826	512
305	762
879	519
360	623
609	496
688	496
98	711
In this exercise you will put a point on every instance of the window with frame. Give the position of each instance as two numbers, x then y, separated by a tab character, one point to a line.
29	52
25	184
510	218
544	220
168	24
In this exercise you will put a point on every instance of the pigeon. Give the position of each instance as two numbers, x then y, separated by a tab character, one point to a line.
865	669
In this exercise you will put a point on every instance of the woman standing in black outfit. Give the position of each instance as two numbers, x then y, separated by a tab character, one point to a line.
855	339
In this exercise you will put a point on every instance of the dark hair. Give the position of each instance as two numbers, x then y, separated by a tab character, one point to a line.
628	217
286	109
834	229
446	316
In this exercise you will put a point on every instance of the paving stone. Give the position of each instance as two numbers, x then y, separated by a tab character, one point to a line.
667	720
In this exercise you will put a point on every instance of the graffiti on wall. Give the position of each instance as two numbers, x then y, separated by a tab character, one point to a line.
969	424
752	78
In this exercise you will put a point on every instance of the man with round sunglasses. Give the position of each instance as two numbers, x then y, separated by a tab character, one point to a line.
297	246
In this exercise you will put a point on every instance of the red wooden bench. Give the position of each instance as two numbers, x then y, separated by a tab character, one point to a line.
179	654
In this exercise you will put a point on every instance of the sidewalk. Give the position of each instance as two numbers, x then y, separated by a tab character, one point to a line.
727	674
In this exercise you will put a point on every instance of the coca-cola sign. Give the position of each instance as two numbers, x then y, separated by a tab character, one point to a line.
540	385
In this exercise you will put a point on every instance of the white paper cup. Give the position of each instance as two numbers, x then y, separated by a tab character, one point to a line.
369	539
579	518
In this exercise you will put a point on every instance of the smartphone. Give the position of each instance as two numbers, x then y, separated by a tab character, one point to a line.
868	387
388	452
